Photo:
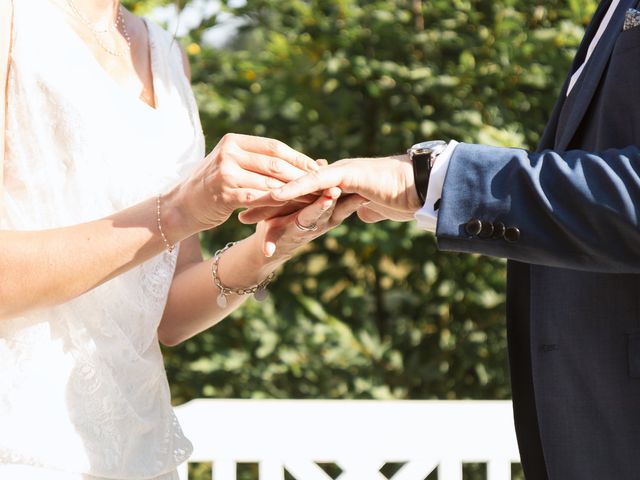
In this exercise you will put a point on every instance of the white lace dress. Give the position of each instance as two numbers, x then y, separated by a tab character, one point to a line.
83	390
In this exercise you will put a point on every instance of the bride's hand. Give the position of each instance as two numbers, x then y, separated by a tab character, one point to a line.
282	236
240	172
256	214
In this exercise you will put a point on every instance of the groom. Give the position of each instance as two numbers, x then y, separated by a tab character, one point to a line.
568	219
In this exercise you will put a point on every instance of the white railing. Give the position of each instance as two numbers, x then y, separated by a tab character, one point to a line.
360	437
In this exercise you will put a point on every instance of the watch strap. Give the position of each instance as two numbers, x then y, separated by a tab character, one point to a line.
421	173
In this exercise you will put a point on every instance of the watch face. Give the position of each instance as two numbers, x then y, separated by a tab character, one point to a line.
427	147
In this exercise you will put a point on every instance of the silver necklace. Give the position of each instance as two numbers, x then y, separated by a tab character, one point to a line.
118	26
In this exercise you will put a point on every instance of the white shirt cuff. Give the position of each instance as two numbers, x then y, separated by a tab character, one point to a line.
427	216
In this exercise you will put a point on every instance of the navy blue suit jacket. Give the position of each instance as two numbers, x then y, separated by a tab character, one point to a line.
573	304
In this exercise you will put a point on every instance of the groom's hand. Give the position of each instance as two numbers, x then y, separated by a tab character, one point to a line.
387	182
372	213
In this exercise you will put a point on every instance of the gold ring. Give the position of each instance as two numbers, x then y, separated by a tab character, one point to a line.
305	228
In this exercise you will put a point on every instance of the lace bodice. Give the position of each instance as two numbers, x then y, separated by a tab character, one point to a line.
82	385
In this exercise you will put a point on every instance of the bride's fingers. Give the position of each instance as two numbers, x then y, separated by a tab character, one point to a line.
256	181
333	192
310	217
346	207
270	166
274	230
315	213
275	148
248	197
258	214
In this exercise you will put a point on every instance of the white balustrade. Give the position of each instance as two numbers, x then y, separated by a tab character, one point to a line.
360	437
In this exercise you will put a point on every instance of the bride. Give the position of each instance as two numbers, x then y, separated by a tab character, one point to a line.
106	187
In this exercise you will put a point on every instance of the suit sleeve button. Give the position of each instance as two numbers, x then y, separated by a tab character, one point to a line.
487	230
473	227
498	230
512	234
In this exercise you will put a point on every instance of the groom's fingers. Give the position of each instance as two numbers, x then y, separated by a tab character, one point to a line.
367	215
326	178
312	215
374	212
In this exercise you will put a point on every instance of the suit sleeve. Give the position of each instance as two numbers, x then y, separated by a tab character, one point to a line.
575	209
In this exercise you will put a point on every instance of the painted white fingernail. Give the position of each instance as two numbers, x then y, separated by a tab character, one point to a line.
270	249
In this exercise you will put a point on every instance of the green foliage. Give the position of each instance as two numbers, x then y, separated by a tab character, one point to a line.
372	311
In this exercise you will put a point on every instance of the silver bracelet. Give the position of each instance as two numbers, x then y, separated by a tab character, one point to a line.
259	291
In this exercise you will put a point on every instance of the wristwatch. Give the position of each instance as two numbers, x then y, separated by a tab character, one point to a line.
423	155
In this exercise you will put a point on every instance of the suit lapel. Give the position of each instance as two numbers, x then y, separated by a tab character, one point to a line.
549	136
573	111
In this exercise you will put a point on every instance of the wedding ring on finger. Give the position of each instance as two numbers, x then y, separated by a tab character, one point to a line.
304	228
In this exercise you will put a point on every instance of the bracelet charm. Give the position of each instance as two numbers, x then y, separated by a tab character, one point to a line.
222	301
261	294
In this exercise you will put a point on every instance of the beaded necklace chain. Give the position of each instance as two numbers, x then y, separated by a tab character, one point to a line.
118	26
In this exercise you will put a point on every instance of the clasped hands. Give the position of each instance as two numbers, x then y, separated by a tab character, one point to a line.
291	197
376	188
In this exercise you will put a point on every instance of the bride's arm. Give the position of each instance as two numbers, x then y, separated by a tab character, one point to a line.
49	267
39	269
192	307
193	293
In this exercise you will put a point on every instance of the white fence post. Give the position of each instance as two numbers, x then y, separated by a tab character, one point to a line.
358	436
499	469
450	469
223	469
271	469
183	471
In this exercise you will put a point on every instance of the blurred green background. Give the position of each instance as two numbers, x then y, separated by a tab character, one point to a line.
371	311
